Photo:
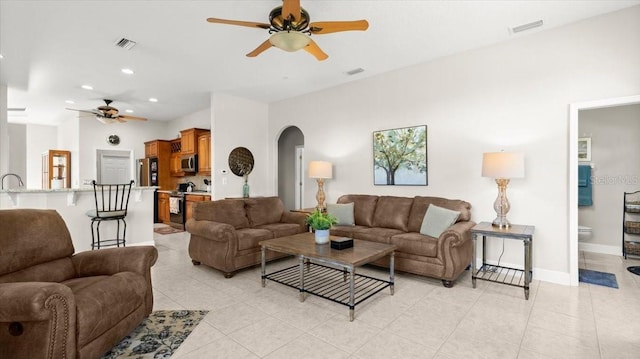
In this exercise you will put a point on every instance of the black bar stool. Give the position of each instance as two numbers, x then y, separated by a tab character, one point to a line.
112	201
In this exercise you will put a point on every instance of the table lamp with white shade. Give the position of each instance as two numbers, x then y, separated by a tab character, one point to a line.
320	170
502	166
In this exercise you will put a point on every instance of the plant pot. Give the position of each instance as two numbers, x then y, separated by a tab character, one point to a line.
322	236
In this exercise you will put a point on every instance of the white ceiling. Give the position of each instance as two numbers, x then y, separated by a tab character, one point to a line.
51	48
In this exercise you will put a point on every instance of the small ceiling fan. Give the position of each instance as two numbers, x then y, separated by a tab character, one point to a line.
109	114
290	28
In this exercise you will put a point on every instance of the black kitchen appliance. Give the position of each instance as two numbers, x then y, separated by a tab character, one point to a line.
176	209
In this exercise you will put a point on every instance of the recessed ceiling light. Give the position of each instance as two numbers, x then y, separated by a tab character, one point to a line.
128	111
70	102
1	57
87	87
127	71
153	99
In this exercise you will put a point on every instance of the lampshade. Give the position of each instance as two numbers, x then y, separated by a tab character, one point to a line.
320	169
289	40
503	165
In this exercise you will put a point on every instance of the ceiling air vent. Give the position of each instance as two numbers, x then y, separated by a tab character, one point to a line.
525	27
125	43
355	71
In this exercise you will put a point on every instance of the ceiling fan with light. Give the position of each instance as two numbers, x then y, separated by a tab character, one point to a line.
290	28
109	114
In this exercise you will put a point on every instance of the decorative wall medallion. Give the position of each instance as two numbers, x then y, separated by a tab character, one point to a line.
113	140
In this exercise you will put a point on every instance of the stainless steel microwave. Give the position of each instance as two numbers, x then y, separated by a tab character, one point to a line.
189	163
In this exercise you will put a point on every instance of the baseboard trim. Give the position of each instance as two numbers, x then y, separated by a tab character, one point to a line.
600	248
544	275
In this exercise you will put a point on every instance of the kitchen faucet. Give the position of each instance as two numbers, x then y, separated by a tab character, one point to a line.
20	183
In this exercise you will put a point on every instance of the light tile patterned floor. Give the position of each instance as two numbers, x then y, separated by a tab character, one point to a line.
422	320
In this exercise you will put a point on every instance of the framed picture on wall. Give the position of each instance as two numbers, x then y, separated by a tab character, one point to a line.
584	149
400	157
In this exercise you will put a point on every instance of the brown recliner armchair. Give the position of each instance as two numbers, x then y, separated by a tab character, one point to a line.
56	304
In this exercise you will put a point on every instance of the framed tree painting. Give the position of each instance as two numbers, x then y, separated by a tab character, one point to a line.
400	157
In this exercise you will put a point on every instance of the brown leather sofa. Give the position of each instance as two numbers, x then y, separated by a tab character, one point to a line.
225	233
397	220
57	304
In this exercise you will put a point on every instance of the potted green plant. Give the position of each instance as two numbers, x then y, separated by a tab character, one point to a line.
321	222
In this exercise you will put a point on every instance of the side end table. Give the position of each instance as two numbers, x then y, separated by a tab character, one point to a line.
500	274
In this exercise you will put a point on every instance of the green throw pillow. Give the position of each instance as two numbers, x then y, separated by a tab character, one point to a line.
437	220
343	212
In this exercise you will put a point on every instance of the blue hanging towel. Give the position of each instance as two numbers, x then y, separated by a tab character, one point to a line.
584	186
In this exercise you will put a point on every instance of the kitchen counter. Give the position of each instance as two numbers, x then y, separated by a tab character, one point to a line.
73	203
197	193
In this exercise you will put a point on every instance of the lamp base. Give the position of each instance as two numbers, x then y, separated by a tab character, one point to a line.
501	222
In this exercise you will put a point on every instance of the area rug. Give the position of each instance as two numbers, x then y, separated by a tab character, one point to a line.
598	278
158	336
635	270
167	230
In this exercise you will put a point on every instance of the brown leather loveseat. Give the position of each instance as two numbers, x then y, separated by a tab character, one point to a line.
57	304
225	233
399	221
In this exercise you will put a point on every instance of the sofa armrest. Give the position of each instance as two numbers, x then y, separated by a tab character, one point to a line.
295	217
137	259
30	301
215	231
457	234
38	320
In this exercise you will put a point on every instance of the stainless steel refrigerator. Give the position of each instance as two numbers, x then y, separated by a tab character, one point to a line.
147	175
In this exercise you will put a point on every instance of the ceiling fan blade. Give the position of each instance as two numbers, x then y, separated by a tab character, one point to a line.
128	117
260	49
259	25
327	27
291	8
93	112
119	119
316	51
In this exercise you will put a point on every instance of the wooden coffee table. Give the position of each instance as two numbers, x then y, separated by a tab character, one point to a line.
329	273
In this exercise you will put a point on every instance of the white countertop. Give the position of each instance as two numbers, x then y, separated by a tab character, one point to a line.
66	190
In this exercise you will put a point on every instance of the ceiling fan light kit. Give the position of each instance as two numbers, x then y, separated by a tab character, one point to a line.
290	40
290	28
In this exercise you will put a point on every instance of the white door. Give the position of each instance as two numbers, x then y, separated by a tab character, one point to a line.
114	167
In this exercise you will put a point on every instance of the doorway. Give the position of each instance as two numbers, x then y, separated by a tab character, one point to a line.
114	166
574	113
291	167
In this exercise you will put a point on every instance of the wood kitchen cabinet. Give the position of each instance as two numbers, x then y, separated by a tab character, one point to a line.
204	154
56	169
160	149
190	201
176	151
163	207
189	139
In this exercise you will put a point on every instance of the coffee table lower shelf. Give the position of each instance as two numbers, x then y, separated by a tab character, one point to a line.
329	283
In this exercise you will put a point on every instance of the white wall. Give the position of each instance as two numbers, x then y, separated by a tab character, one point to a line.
198	119
94	135
615	155
238	122
4	131
512	96
39	139
17	154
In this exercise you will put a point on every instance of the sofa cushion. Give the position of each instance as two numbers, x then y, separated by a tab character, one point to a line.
264	210
249	238
420	205
392	212
103	301
281	229
229	211
343	213
345	231
416	243
437	220
363	207
376	234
